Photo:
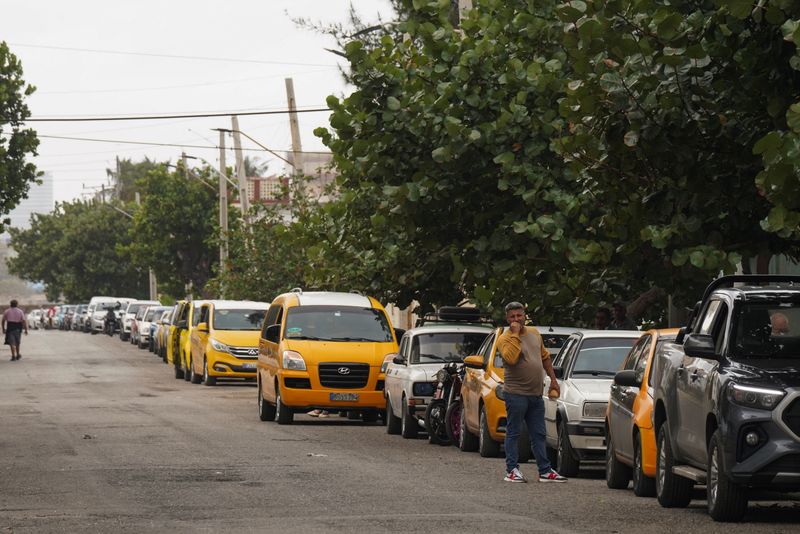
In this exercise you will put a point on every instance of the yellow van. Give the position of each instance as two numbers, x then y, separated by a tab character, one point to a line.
323	350
225	342
172	335
194	315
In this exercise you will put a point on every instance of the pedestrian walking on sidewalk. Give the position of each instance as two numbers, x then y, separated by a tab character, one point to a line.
13	324
526	360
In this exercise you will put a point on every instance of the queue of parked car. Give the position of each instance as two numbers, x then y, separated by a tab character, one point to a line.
716	403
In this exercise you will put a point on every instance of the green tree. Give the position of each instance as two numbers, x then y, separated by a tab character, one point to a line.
17	144
77	251
127	173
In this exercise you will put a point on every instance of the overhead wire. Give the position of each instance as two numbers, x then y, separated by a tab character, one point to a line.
170	116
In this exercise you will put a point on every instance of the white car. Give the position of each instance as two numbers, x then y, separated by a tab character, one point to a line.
411	377
150	315
127	317
98	308
35	319
585	367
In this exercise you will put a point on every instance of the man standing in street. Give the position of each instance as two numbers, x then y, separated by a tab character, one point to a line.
525	362
621	320
13	324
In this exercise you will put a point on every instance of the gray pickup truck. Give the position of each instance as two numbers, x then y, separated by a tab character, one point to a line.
727	396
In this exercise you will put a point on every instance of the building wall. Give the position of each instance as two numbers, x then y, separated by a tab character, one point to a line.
40	200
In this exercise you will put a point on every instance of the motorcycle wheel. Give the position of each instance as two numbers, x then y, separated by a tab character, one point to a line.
452	419
436	423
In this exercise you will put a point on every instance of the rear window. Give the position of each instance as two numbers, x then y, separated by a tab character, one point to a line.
337	323
601	356
553	342
445	346
238	319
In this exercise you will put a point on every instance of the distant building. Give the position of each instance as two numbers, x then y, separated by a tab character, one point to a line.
267	189
40	200
316	165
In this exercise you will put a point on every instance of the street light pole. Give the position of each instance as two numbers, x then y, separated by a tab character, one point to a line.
240	171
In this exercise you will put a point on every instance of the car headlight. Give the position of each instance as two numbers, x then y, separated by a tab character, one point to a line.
423	389
500	392
387	360
594	410
753	397
217	346
293	361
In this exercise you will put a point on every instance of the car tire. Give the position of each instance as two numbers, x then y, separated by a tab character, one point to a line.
672	491
643	485
524	445
194	378
409	428
617	474
436	423
452	418
266	411
467	441
283	414
567	463
207	378
487	447
727	501
178	371
186	365
393	426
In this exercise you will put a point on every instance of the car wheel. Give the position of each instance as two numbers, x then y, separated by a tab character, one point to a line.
194	378
467	441
643	485
178	371
266	411
283	414
567	463
672	491
726	501
408	424
392	421
452	418
487	447
436	423
207	378
617	473
187	366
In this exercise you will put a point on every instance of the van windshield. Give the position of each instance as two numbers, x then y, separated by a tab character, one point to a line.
337	323
238	319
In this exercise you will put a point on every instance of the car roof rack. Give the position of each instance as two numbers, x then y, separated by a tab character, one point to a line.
456	314
751	279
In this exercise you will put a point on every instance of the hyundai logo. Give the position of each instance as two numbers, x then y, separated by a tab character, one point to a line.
344	370
253	352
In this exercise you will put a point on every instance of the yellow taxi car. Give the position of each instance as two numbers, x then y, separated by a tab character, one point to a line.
631	441
482	419
323	350
195	314
225	342
170	347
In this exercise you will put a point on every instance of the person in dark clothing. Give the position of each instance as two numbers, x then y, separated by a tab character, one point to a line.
13	324
621	320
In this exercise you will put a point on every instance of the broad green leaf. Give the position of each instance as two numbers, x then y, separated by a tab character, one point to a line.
697	258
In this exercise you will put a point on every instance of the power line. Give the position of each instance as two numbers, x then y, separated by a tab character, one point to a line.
160	117
173	56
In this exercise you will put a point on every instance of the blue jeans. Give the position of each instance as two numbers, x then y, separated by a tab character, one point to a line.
530	409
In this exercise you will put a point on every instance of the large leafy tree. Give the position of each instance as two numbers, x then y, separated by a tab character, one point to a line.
17	143
77	251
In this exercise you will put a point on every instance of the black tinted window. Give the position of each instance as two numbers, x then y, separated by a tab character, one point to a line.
767	329
337	323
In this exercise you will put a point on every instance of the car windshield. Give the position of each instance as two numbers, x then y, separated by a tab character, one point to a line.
238	319
445	346
767	329
337	323
133	308
601	357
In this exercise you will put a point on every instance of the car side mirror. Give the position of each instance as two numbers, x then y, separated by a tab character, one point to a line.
700	346
273	333
399	360
474	362
558	371
627	378
202	327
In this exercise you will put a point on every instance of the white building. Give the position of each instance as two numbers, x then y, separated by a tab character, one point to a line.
40	200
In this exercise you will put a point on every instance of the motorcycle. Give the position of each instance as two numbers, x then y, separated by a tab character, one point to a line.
446	404
110	326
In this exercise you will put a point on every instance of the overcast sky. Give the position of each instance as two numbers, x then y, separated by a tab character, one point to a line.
260	35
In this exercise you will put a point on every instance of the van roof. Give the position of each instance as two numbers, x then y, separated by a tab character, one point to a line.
332	298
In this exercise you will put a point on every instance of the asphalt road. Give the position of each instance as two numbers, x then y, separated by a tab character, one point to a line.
97	436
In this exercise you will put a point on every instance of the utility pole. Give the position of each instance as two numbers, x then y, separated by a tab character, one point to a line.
294	126
119	181
240	174
152	282
223	205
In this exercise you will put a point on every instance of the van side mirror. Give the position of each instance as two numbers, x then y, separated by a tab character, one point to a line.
700	346
474	362
627	378
558	371
273	333
202	327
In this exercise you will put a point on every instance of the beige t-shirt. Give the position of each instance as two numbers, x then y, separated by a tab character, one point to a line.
522	357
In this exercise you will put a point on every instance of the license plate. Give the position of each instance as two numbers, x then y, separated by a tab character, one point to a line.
347	397
248	366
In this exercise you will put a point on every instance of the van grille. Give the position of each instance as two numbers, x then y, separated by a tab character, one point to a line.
245	353
791	416
343	375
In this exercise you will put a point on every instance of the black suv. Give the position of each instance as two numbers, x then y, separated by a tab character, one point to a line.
727	396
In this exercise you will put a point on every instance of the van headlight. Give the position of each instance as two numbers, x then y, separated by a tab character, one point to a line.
293	361
753	397
217	346
500	392
594	410
387	360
